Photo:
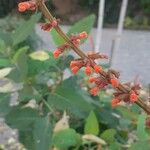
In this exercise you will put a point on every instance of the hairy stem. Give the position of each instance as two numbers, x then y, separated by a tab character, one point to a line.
78	51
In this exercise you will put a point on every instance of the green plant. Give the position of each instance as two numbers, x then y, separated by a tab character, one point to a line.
44	95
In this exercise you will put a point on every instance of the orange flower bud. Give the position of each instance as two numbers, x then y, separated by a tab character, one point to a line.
56	53
83	35
88	71
114	82
92	79
76	41
75	70
115	102
133	97
94	91
98	69
23	6
54	23
74	63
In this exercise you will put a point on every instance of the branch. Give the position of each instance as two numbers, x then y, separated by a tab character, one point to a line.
78	51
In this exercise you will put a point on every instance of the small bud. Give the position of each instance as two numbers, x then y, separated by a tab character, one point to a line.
56	53
54	23
115	102
94	91
46	27
133	97
114	82
28	5
92	79
98	69
88	71
23	6
74	63
75	70
76	41
83	35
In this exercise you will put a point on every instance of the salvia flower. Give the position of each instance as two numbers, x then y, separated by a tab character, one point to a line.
28	5
98	69
94	91
133	96
114	82
88	70
49	26
60	50
76	39
115	102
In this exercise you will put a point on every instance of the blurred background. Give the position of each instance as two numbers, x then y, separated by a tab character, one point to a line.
121	30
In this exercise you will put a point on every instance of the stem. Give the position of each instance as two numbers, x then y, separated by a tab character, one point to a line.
78	51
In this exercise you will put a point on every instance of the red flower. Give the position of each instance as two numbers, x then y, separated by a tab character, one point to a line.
83	35
94	91
92	79
28	5
75	69
88	71
133	96
98	69
114	82
115	102
56	53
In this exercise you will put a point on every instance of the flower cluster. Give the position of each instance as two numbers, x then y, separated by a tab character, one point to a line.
27	5
131	96
103	78
76	39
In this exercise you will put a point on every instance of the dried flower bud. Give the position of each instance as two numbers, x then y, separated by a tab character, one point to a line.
46	27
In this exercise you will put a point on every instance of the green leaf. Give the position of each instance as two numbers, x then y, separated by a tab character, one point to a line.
27	139
20	61
6	37
21	118
24	30
141	133
39	55
4	104
144	145
85	24
56	37
42	133
91	126
66	139
5	71
7	86
108	135
70	96
4	62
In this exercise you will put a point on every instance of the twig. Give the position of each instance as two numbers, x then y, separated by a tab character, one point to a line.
78	51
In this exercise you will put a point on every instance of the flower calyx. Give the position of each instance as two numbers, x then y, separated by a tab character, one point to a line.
60	50
49	26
